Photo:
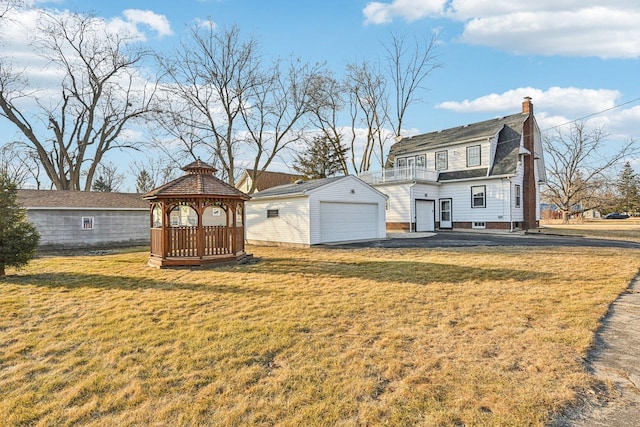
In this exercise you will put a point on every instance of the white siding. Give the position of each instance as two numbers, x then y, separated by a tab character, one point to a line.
517	214
457	155
291	226
398	202
340	191
496	202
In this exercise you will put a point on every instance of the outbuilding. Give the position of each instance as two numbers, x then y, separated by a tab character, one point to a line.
305	213
84	219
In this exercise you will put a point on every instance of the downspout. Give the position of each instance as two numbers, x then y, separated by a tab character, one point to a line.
510	208
412	204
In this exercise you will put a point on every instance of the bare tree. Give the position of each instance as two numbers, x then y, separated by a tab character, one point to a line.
369	109
277	111
577	167
326	104
221	98
20	163
8	5
207	83
408	67
108	180
99	95
153	172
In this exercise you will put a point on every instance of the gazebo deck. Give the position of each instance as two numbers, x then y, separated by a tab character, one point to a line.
210	260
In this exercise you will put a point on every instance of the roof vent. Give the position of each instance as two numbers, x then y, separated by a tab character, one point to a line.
300	181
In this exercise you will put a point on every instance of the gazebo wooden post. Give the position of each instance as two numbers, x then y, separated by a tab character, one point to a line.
164	236
200	241
233	230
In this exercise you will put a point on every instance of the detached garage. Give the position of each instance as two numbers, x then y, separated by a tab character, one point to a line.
307	213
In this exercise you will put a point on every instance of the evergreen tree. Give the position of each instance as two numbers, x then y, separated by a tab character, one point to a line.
18	237
629	190
321	159
144	182
108	180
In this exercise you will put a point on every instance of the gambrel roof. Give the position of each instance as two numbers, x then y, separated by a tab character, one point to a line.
508	130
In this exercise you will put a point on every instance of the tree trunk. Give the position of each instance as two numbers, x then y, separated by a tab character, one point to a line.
565	217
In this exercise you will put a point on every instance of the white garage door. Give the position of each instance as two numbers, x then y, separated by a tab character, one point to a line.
348	221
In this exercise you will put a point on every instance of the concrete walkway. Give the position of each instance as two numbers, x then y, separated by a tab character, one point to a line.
615	360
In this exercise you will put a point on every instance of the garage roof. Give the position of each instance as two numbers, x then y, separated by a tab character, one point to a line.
298	188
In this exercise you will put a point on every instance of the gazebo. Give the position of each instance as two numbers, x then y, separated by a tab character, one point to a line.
196	220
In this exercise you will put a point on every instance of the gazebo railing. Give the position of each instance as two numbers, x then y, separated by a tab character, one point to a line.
216	240
183	241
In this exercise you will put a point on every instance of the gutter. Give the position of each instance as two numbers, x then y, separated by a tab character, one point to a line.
480	178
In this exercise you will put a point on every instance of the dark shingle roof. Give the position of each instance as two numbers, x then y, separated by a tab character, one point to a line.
299	188
506	158
198	181
462	174
80	199
509	130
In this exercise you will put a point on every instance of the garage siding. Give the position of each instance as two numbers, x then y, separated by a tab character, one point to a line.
290	226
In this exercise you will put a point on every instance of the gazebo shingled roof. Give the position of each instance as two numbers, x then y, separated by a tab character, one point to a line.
198	181
196	243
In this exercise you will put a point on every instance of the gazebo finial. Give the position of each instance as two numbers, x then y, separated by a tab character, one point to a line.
199	167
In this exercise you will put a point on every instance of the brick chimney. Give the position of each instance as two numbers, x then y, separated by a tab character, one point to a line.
527	106
529	179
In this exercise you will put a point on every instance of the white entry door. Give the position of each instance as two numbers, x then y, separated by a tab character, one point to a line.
425	215
445	213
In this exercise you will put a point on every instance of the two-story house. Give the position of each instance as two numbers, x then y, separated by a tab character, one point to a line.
481	175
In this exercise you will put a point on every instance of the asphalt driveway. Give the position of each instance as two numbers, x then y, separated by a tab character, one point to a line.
448	239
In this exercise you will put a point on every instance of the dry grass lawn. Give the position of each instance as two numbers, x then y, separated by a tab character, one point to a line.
485	336
625	229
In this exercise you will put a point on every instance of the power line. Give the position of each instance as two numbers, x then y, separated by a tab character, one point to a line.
593	114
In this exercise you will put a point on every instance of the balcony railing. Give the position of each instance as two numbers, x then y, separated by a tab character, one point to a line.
399	175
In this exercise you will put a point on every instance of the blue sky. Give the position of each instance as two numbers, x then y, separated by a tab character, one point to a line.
574	58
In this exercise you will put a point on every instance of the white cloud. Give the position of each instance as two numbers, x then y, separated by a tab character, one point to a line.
557	106
563	27
409	10
571	101
159	23
205	23
598	31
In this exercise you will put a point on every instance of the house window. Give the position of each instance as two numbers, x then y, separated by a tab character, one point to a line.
473	155
402	163
273	213
478	196
517	195
87	223
421	161
480	225
441	160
